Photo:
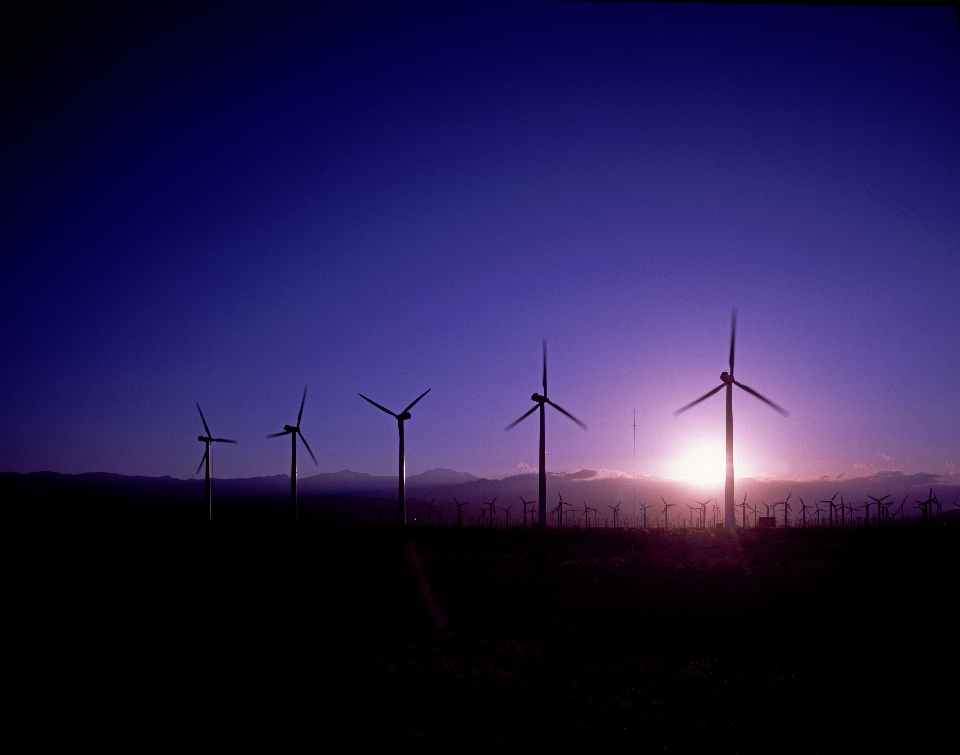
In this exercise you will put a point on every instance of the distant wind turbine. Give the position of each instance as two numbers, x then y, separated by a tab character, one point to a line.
206	459
540	402
727	381
401	418
525	504
460	511
293	432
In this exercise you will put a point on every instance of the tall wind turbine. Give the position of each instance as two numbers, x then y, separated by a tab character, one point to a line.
401	418
293	432
727	381
539	404
206	458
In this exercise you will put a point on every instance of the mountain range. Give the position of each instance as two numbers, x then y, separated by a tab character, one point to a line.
94	491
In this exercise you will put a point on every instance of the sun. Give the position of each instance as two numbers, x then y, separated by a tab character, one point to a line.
700	463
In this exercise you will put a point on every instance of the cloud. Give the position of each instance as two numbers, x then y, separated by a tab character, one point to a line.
841	475
861	466
590	474
884	456
951	464
525	468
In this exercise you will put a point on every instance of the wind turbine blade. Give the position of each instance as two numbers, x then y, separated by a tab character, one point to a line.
224	440
203	420
764	399
517	422
561	409
302	402
308	448
381	408
733	338
201	461
277	435
544	367
702	398
418	398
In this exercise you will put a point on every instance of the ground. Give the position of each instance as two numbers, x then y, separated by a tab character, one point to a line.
446	639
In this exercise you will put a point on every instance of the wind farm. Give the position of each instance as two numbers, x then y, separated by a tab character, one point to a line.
218	204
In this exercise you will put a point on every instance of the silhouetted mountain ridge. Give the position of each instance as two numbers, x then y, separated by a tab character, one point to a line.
73	493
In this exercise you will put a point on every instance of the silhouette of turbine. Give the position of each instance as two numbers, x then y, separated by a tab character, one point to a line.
401	418
540	402
525	504
293	432
206	459
727	381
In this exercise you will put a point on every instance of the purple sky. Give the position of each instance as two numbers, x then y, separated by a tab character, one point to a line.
225	203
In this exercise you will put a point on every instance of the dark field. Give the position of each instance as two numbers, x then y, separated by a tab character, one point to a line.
447	640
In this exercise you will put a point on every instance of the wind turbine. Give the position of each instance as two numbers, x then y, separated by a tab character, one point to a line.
881	508
401	418
832	505
492	508
293	432
786	510
525	504
666	506
460	511
206	459
616	515
644	507
540	401
559	510
743	511
727	381
703	512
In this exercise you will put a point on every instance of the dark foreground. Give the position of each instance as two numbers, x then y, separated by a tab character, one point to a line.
445	639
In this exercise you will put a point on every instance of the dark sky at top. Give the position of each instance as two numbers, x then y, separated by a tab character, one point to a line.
223	202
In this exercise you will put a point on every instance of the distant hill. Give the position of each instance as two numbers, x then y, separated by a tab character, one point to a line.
49	495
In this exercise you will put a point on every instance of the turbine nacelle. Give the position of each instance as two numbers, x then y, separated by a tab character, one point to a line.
403	416
538	398
288	429
726	377
204	440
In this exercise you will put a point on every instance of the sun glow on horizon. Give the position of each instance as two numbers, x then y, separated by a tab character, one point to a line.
701	463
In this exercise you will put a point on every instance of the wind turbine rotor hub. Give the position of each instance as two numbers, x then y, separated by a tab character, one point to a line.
538	398
404	416
203	439
288	429
726	377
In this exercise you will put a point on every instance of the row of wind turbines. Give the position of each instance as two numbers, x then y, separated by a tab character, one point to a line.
833	514
727	381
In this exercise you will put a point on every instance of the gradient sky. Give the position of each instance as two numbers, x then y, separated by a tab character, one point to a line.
223	203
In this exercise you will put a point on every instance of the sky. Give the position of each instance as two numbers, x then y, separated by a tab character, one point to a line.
224	203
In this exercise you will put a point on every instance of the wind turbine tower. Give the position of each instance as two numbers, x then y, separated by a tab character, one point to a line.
208	439
727	381
402	473
293	432
540	401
